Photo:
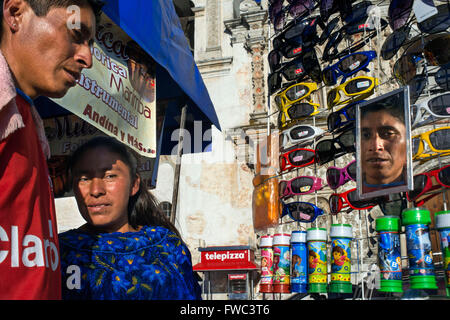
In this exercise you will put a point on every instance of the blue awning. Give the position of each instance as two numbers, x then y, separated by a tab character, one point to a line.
155	26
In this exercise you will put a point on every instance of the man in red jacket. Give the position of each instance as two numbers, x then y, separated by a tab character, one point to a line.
43	48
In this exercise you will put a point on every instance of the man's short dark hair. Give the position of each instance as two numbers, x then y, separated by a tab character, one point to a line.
393	105
41	7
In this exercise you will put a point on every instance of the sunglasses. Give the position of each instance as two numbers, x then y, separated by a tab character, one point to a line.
363	25
418	83
301	211
299	186
356	89
436	51
349	198
343	117
294	93
393	205
327	151
296	158
424	184
297	112
395	41
438	106
347	66
398	13
438	141
337	177
297	69
328	7
328	30
299	133
437	23
296	9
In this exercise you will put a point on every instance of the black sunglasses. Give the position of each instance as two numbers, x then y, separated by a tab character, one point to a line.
398	13
297	69
439	22
343	118
329	7
297	9
327	151
402	35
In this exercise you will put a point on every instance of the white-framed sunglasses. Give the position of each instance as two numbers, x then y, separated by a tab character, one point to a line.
435	106
299	133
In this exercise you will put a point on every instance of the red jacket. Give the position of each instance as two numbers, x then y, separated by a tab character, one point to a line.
29	250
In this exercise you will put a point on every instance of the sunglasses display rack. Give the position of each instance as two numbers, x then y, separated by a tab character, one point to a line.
329	57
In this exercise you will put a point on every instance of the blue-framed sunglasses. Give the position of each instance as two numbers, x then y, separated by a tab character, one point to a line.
343	117
347	66
301	211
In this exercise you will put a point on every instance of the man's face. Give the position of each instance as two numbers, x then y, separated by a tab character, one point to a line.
383	147
52	50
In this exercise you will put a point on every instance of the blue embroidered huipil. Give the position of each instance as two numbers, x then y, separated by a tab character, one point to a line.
152	263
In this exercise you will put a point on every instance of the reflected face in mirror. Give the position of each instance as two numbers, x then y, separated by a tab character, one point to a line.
383	147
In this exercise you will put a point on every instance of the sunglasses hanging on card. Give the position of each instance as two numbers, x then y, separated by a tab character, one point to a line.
301	211
330	149
337	177
347	66
437	140
296	158
423	183
331	50
297	186
329	7
430	109
298	134
419	82
399	12
296	9
349	200
343	118
355	89
298	69
297	112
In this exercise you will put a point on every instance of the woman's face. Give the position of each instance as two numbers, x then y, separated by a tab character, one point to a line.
103	186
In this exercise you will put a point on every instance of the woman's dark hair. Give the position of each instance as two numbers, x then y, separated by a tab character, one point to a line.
143	207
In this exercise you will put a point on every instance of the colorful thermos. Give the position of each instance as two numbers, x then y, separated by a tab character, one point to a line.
442	220
299	262
281	263
418	244
266	284
317	260
389	255
341	237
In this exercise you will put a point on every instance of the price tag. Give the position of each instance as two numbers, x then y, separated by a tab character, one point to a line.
354	65
362	84
423	10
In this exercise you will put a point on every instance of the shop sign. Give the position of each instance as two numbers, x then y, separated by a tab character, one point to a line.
225	259
240	276
117	95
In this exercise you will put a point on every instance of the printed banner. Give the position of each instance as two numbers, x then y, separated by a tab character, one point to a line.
117	95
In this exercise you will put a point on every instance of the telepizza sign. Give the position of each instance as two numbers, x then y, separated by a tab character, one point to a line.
225	258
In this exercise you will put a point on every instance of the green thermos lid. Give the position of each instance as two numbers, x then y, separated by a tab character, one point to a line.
415	216
387	223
